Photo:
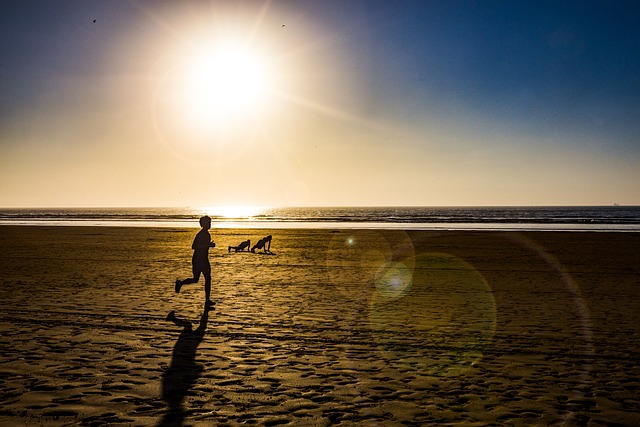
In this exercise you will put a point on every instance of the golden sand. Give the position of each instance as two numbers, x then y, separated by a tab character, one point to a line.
334	327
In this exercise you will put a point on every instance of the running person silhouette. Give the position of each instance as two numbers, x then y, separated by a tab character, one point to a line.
200	260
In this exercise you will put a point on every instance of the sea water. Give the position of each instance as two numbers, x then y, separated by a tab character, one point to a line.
570	218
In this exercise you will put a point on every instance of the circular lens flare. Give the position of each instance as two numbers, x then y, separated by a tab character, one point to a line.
393	280
356	260
437	324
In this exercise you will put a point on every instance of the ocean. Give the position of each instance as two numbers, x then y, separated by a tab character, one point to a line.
583	218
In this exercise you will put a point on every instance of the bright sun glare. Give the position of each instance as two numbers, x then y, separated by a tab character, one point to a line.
213	94
224	84
234	211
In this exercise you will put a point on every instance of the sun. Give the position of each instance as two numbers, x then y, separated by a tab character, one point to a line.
223	85
214	94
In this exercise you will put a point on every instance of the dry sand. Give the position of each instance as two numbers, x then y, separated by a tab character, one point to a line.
334	328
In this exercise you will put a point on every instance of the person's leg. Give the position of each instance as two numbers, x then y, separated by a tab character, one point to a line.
196	276
207	287
194	279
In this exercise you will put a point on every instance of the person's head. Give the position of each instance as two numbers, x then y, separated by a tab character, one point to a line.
205	222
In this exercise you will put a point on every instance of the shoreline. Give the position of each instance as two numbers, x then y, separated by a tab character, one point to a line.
356	326
515	218
296	225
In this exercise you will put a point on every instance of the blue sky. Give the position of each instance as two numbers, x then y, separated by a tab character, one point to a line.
363	103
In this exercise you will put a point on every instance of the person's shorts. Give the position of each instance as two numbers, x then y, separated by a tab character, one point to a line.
201	267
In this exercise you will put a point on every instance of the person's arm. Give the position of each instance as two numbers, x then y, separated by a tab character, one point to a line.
209	243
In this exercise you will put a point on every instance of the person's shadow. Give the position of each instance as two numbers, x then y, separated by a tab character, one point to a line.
183	372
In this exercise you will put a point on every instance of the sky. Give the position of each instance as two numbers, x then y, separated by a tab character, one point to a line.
319	103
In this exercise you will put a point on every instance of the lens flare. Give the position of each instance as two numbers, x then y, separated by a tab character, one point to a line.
440	324
360	258
393	280
577	305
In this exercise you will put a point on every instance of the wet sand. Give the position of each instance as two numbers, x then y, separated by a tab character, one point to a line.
335	327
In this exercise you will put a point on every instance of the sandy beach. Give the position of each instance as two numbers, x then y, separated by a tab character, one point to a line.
334	327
